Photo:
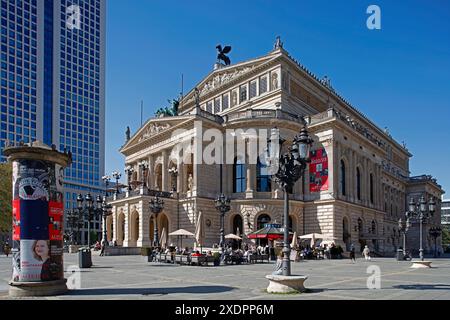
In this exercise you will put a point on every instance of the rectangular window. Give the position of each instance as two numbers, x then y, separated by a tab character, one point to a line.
252	89
209	106
242	93
234	95
225	101
216	105
262	85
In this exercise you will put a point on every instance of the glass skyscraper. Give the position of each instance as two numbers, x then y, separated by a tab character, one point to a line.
53	83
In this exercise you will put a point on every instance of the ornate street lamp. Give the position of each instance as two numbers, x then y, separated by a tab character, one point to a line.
403	227
117	175
143	166
129	170
174	174
106	180
421	211
291	168
88	210
222	204
104	211
156	206
74	222
435	232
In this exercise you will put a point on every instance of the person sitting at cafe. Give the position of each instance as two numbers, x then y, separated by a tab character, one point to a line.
196	254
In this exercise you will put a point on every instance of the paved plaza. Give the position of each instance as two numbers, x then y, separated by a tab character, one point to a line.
131	277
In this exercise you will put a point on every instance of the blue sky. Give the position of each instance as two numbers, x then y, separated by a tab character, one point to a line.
398	76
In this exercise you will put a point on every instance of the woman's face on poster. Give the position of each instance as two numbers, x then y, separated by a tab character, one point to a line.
42	248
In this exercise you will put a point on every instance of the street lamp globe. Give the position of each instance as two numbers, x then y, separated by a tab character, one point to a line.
432	205
411	206
423	204
303	143
80	200
99	201
89	200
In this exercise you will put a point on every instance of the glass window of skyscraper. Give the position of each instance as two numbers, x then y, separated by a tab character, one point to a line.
52	81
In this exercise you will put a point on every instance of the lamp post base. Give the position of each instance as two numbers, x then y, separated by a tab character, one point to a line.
37	289
286	284
421	264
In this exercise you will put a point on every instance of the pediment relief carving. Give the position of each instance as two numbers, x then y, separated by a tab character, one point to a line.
224	78
153	129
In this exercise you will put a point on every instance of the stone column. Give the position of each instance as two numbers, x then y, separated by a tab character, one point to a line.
151	172
114	217
251	181
165	173
144	225
126	211
180	177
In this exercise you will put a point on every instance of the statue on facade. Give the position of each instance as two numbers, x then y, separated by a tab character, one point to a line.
190	182
278	43
274	81
197	97
128	134
221	54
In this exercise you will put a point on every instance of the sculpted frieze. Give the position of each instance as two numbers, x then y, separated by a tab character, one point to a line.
153	129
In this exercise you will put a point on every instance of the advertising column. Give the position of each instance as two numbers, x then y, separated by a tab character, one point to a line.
37	220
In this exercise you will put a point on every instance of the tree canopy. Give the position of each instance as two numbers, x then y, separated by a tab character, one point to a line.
5	197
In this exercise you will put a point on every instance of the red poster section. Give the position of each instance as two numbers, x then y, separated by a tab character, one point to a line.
318	171
55	213
16	220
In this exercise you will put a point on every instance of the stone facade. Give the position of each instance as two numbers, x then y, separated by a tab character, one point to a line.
358	199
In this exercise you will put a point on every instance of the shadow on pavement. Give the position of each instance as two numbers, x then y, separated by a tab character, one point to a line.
423	287
150	291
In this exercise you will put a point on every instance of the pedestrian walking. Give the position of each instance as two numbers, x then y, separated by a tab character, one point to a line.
352	253
102	252
366	253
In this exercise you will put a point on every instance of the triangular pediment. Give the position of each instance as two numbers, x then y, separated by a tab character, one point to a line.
223	76
154	127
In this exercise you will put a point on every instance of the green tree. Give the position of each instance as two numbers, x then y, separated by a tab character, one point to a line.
445	237
5	197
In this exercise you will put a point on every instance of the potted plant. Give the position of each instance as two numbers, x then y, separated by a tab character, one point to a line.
216	256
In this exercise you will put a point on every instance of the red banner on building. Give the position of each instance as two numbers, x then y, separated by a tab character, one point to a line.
318	171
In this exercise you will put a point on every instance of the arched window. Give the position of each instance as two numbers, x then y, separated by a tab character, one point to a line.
358	183
263	178
374	227
237	223
360	225
371	188
342	179
239	176
262	220
290	224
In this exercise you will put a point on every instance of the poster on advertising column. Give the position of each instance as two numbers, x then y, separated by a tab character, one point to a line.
318	171
37	221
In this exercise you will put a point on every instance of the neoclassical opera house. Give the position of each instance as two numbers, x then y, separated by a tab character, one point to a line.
354	191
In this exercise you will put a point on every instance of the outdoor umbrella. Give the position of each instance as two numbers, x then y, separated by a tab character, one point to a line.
238	233
200	231
163	238
233	237
182	233
313	237
294	243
